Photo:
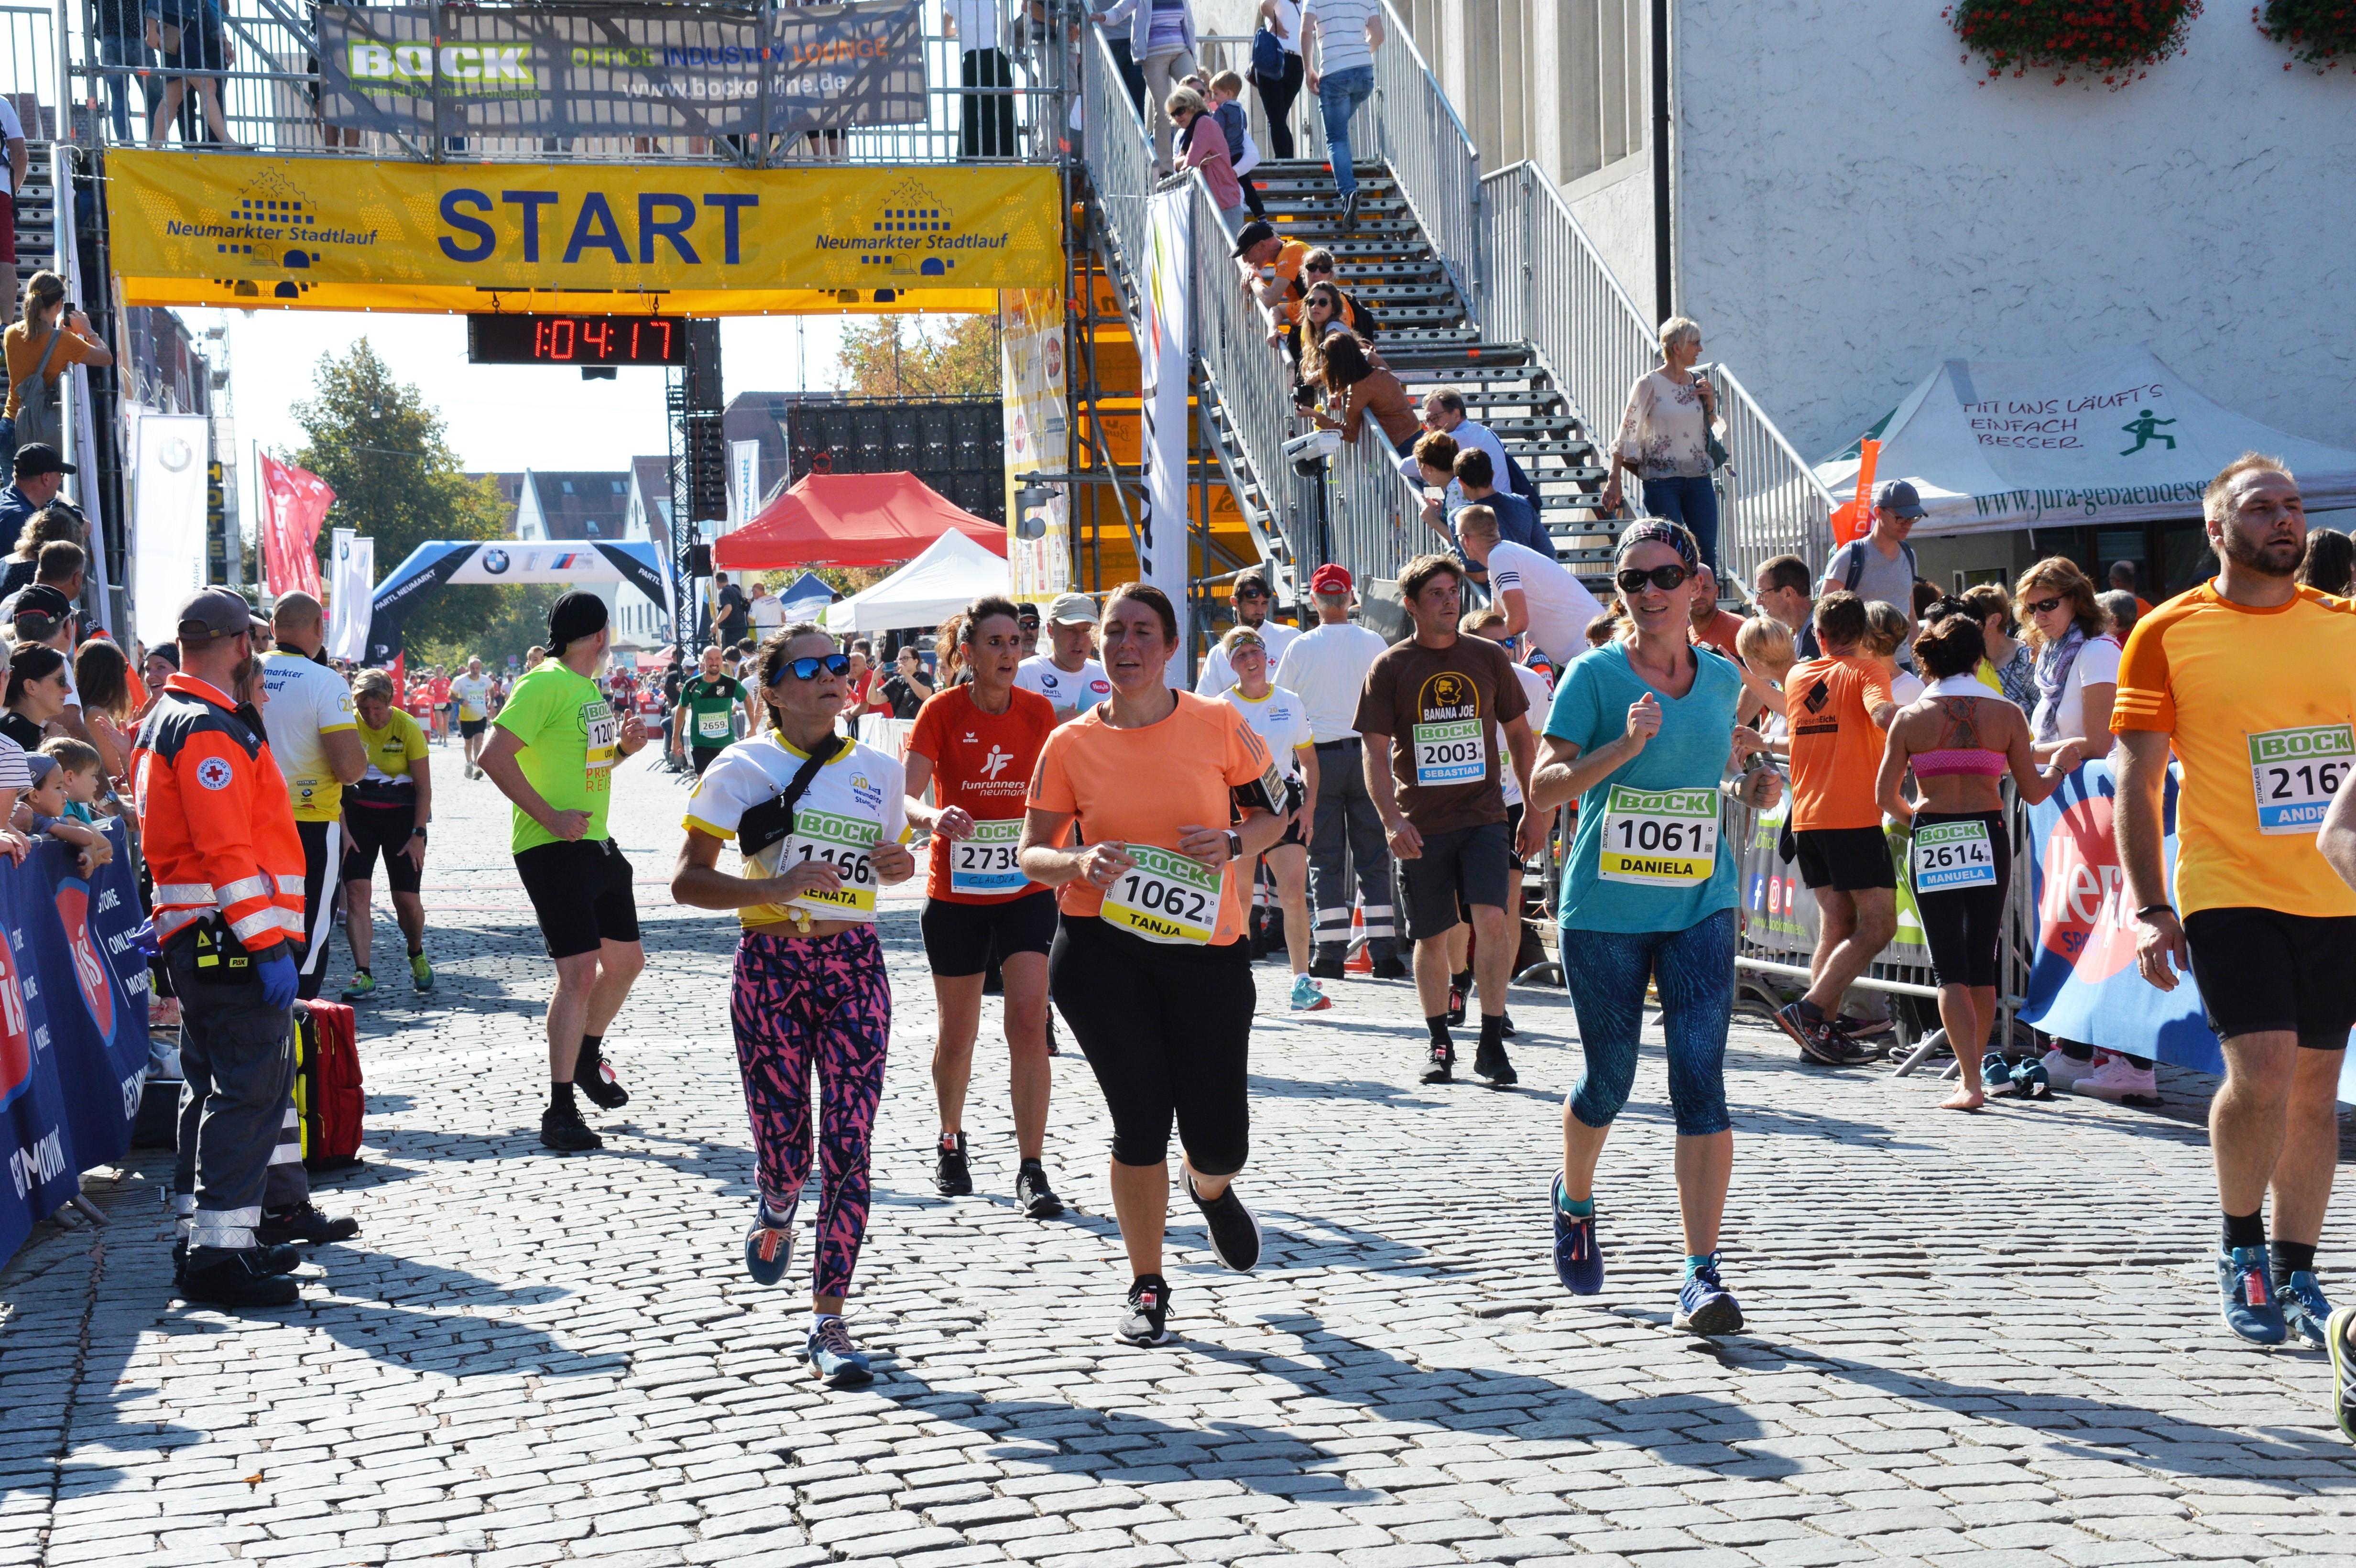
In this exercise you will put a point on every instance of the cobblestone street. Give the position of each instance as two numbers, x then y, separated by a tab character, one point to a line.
1986	1338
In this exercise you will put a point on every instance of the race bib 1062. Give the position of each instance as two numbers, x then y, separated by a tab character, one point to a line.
1453	752
2295	773
1950	856
1165	897
1664	838
985	863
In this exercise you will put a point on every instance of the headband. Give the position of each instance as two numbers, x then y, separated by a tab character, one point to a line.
1646	530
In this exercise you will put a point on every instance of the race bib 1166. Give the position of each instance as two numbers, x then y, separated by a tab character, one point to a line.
2295	773
846	843
1165	897
1666	837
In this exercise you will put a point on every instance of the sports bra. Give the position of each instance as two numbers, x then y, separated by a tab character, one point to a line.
1953	761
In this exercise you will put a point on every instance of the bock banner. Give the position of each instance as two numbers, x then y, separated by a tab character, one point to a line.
333	235
295	502
2084	985
352	560
608	70
1163	363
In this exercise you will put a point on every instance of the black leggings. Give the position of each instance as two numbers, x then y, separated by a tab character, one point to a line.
1276	95
1167	1030
1962	927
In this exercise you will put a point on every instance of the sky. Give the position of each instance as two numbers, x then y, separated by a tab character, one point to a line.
501	417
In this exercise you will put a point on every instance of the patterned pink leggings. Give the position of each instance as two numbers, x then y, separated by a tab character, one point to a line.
818	1003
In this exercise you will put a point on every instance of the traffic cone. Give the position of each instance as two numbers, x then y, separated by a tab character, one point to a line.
1360	962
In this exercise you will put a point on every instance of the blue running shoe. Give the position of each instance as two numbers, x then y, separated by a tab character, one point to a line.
2303	1309
768	1248
1578	1262
2343	1368
1705	1307
1307	996
2247	1288
834	1359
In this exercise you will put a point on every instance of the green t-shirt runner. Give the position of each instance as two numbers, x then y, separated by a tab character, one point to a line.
571	740
712	711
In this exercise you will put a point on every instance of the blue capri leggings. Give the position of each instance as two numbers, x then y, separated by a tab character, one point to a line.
1694	969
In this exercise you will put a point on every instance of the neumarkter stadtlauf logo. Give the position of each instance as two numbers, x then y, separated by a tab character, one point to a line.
272	224
910	233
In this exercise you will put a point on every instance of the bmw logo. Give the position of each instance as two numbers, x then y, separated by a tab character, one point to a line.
495	561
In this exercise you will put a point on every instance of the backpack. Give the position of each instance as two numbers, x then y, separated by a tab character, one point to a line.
1856	549
327	1090
1267	54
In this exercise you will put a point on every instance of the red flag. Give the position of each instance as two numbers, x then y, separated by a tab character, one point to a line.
1853	518
295	502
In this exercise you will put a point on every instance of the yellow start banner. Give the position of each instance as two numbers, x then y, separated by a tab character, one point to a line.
349	234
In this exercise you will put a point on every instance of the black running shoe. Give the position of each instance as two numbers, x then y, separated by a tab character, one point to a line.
237	1280
1507	1030
1489	1061
1031	1189
1392	968
561	1129
305	1225
950	1177
274	1260
593	1076
1440	1065
1144	1319
1235	1234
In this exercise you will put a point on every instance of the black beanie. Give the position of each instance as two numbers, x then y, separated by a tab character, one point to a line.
576	615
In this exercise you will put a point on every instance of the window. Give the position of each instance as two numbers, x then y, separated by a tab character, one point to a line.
593	528
568	487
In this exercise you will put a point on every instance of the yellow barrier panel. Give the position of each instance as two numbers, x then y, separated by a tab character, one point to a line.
346	234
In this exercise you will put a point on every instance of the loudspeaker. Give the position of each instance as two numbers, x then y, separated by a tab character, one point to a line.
699	560
707	470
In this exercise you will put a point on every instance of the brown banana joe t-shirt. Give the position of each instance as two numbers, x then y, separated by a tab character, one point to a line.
1441	708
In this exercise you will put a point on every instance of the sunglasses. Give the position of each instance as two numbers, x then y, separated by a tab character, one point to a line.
1317	267
2040	606
1664	578
807	669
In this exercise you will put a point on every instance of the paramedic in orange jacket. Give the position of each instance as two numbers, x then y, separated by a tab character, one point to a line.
221	845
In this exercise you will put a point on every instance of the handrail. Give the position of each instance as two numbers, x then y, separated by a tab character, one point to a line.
1771	502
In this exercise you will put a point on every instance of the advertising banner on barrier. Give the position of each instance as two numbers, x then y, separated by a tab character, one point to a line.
1782	912
604	71
306	233
2084	985
74	1026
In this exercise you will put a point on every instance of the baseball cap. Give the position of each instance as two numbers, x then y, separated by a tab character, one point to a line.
211	612
37	457
1900	496
1072	610
39	601
39	763
1026	611
1254	233
1330	580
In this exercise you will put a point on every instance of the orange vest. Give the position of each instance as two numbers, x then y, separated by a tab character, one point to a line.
214	820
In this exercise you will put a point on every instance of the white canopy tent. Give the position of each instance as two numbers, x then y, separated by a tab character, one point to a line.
951	573
2111	438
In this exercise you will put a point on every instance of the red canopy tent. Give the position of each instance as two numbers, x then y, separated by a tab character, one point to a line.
850	520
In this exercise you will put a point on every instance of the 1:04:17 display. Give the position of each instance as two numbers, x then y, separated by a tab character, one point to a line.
576	340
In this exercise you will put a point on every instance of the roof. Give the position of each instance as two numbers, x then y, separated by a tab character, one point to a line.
582	504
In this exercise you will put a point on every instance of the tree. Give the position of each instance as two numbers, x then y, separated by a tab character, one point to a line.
956	357
384	451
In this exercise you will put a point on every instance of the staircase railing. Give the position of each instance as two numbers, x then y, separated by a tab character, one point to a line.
1247	381
1549	287
1120	156
1409	124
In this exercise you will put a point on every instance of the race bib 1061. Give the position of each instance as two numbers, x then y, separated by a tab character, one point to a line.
1165	897
1664	838
985	863
1453	752
2295	773
1950	856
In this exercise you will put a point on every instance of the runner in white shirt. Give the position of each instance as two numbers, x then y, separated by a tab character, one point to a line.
1067	678
472	692
1538	596
1326	667
1282	721
1250	595
308	715
767	611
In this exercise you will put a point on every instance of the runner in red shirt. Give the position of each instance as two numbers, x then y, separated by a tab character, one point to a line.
976	745
437	698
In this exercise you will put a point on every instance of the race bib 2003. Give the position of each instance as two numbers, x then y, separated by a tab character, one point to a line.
1951	856
1661	837
1450	753
985	862
1165	897
2295	773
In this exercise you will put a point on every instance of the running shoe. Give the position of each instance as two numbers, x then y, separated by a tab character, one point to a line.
561	1129
1235	1234
1455	1004
1577	1261
1031	1191
1863	1028
303	1223
2064	1071
593	1076
2118	1079
1820	1042
768	1248
421	973
1144	1319
1392	968
951	1178
1489	1061
238	1280
2343	1368
1440	1065
363	987
1996	1073
834	1360
1307	997
2031	1083
2305	1311
2249	1307
1507	1030
1705	1307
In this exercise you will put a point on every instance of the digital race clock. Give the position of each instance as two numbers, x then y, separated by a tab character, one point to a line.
576	340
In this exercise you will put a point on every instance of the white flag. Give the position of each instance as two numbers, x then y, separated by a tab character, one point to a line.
168	536
743	482
351	587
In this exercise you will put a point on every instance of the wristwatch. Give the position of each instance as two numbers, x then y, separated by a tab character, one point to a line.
1234	845
417	833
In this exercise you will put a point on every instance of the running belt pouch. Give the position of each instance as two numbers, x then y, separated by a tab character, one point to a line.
772	821
221	958
328	1099
1267	54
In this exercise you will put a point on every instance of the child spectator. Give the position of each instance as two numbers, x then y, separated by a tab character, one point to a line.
85	777
47	805
1226	87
